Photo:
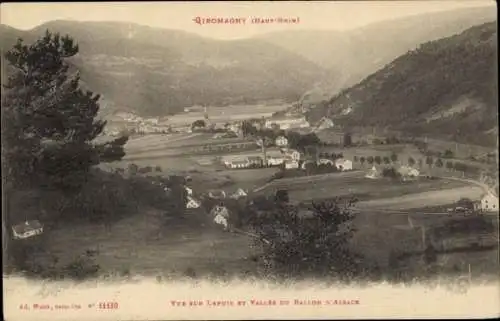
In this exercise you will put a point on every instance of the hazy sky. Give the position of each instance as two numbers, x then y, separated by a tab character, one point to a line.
180	15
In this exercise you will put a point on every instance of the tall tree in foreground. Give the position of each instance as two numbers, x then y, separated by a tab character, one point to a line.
48	122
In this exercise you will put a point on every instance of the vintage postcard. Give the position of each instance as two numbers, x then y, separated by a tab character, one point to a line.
250	160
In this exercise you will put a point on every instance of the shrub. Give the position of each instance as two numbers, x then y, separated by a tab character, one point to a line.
133	168
448	154
390	173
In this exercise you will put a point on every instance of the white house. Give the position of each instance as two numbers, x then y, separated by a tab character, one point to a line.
27	229
239	193
489	203
188	190
192	203
291	164
343	164
407	171
220	215
281	141
373	173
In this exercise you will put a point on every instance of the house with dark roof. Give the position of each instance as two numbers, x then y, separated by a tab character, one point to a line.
27	229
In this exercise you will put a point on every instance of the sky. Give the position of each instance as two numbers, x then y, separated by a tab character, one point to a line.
323	15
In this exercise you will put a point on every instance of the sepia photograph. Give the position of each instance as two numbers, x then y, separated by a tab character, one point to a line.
249	160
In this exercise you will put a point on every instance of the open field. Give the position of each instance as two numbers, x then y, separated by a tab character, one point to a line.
150	244
230	180
379	193
379	233
433	196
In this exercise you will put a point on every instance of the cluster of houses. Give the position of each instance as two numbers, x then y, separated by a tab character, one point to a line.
273	157
219	213
289	158
193	202
129	121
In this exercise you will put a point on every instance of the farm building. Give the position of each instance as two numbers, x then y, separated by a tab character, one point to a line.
192	203
281	141
27	229
239	193
343	164
373	173
489	203
238	164
291	164
407	171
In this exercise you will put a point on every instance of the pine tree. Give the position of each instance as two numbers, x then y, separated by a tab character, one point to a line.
49	122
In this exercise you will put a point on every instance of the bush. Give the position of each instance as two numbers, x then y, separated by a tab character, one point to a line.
448	154
390	173
133	168
158	169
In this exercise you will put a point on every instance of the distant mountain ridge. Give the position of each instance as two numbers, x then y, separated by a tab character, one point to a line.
352	55
445	88
154	72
